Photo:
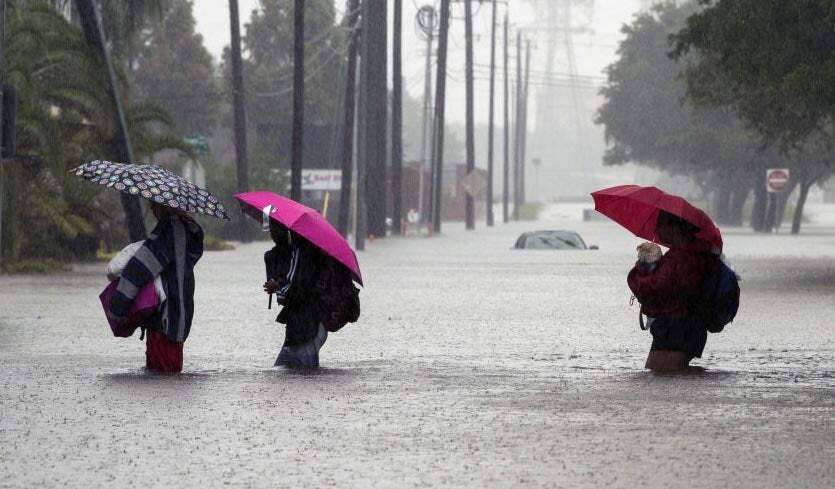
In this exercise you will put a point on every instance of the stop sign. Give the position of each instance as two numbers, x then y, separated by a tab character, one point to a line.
776	179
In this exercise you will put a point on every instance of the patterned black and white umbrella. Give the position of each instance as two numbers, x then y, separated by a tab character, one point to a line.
155	184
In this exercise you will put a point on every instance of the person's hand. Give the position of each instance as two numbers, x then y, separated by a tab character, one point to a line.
271	286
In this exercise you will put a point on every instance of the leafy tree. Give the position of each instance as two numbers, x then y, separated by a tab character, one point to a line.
62	121
772	62
122	20
773	58
268	72
173	69
648	121
268	47
413	134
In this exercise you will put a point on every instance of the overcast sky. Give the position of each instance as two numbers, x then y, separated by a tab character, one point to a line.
593	50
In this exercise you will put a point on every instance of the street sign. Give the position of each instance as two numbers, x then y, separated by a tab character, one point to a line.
776	180
475	183
321	179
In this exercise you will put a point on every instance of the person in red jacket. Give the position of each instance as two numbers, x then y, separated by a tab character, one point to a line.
667	293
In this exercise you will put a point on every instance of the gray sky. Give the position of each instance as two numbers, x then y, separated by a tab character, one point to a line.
593	51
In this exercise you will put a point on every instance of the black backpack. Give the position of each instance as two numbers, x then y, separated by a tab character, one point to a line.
718	302
339	298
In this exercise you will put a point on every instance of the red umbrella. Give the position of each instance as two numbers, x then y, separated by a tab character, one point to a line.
636	208
303	220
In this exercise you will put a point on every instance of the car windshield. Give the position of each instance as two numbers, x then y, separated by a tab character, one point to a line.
554	241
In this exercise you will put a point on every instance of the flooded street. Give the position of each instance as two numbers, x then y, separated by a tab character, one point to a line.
473	365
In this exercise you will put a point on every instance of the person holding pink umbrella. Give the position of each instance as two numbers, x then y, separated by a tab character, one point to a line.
293	266
310	270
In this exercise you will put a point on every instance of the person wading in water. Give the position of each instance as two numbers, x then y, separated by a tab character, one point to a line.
171	251
293	268
667	293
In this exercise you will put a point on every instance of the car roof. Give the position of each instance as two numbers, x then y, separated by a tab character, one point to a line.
551	231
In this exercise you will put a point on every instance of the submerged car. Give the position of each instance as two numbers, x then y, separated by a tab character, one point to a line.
551	240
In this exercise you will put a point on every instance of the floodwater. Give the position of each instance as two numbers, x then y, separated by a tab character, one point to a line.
473	365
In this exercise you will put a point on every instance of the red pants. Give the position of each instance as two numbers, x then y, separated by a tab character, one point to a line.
162	355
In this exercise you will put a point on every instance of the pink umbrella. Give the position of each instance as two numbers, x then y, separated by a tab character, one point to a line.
304	221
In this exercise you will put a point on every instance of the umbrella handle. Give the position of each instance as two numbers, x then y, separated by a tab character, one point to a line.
270	303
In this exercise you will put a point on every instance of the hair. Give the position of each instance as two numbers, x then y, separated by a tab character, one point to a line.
280	234
687	230
166	211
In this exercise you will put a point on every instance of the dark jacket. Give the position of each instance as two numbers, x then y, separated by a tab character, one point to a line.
171	251
296	268
675	283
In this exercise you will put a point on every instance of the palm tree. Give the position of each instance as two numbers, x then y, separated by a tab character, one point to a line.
63	121
122	20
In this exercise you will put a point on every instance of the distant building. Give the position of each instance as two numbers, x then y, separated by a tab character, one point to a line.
454	182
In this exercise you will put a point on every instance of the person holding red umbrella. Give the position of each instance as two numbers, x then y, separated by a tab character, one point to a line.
688	291
666	293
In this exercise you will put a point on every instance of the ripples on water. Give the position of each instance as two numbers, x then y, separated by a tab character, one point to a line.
473	365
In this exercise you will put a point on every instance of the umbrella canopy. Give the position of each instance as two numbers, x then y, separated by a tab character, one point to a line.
636	208
155	184
305	222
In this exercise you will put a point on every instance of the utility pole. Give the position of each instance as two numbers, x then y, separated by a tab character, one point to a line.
371	159
427	21
91	23
349	105
523	147
506	170
517	133
239	107
440	101
397	122
375	85
491	117
469	201
360	222
298	102
2	150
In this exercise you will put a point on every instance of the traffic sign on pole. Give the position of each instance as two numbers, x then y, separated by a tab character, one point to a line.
475	184
777	180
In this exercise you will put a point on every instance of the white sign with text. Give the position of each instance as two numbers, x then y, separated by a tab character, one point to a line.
321	179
